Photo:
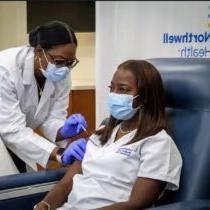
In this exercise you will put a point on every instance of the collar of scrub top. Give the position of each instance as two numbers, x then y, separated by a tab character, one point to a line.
123	140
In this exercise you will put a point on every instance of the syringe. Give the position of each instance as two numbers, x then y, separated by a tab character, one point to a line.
84	129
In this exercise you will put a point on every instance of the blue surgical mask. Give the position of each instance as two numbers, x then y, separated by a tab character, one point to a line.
121	106
54	73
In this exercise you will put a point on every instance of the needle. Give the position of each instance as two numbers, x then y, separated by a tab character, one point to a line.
84	129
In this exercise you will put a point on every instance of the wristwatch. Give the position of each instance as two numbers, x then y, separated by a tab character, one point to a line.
59	155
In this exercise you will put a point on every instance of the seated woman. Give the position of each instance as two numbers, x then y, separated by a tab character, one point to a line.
132	159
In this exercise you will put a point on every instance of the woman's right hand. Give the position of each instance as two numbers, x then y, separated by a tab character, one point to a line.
74	125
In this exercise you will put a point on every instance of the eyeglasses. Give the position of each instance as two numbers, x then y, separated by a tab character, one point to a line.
60	62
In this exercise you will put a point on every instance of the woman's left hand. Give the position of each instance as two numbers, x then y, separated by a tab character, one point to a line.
75	150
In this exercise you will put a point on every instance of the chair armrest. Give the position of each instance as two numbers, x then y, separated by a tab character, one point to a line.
23	191
185	205
31	178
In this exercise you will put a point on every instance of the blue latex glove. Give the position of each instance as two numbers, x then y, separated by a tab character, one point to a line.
73	125
75	150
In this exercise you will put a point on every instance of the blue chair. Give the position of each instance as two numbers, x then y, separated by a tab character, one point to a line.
23	191
187	85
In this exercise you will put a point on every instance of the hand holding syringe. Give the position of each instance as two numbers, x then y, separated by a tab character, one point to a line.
73	126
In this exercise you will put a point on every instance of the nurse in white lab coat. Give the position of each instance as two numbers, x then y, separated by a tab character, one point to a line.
132	159
34	93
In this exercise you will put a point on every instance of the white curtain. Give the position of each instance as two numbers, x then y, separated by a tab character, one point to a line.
138	30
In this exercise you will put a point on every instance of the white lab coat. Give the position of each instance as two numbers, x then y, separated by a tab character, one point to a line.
20	111
7	166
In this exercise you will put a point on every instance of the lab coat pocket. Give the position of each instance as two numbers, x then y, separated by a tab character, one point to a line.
42	113
29	112
52	101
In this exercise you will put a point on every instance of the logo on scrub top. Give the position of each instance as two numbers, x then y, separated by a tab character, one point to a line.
126	151
193	44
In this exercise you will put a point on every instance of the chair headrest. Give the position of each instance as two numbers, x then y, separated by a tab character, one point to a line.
186	81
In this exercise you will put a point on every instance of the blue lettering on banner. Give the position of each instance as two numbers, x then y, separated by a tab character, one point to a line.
191	51
189	37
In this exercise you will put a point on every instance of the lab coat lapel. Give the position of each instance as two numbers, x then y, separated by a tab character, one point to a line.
24	64
47	92
29	80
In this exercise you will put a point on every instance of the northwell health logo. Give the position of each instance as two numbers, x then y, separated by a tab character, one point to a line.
188	40
190	44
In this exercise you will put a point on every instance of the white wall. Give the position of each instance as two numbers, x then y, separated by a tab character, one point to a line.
13	32
12	24
84	73
135	29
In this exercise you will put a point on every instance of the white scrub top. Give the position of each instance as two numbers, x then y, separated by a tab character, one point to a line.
21	112
110	171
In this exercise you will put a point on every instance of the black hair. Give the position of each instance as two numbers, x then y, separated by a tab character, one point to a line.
52	33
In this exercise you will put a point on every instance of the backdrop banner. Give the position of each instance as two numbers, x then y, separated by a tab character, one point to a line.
141	30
